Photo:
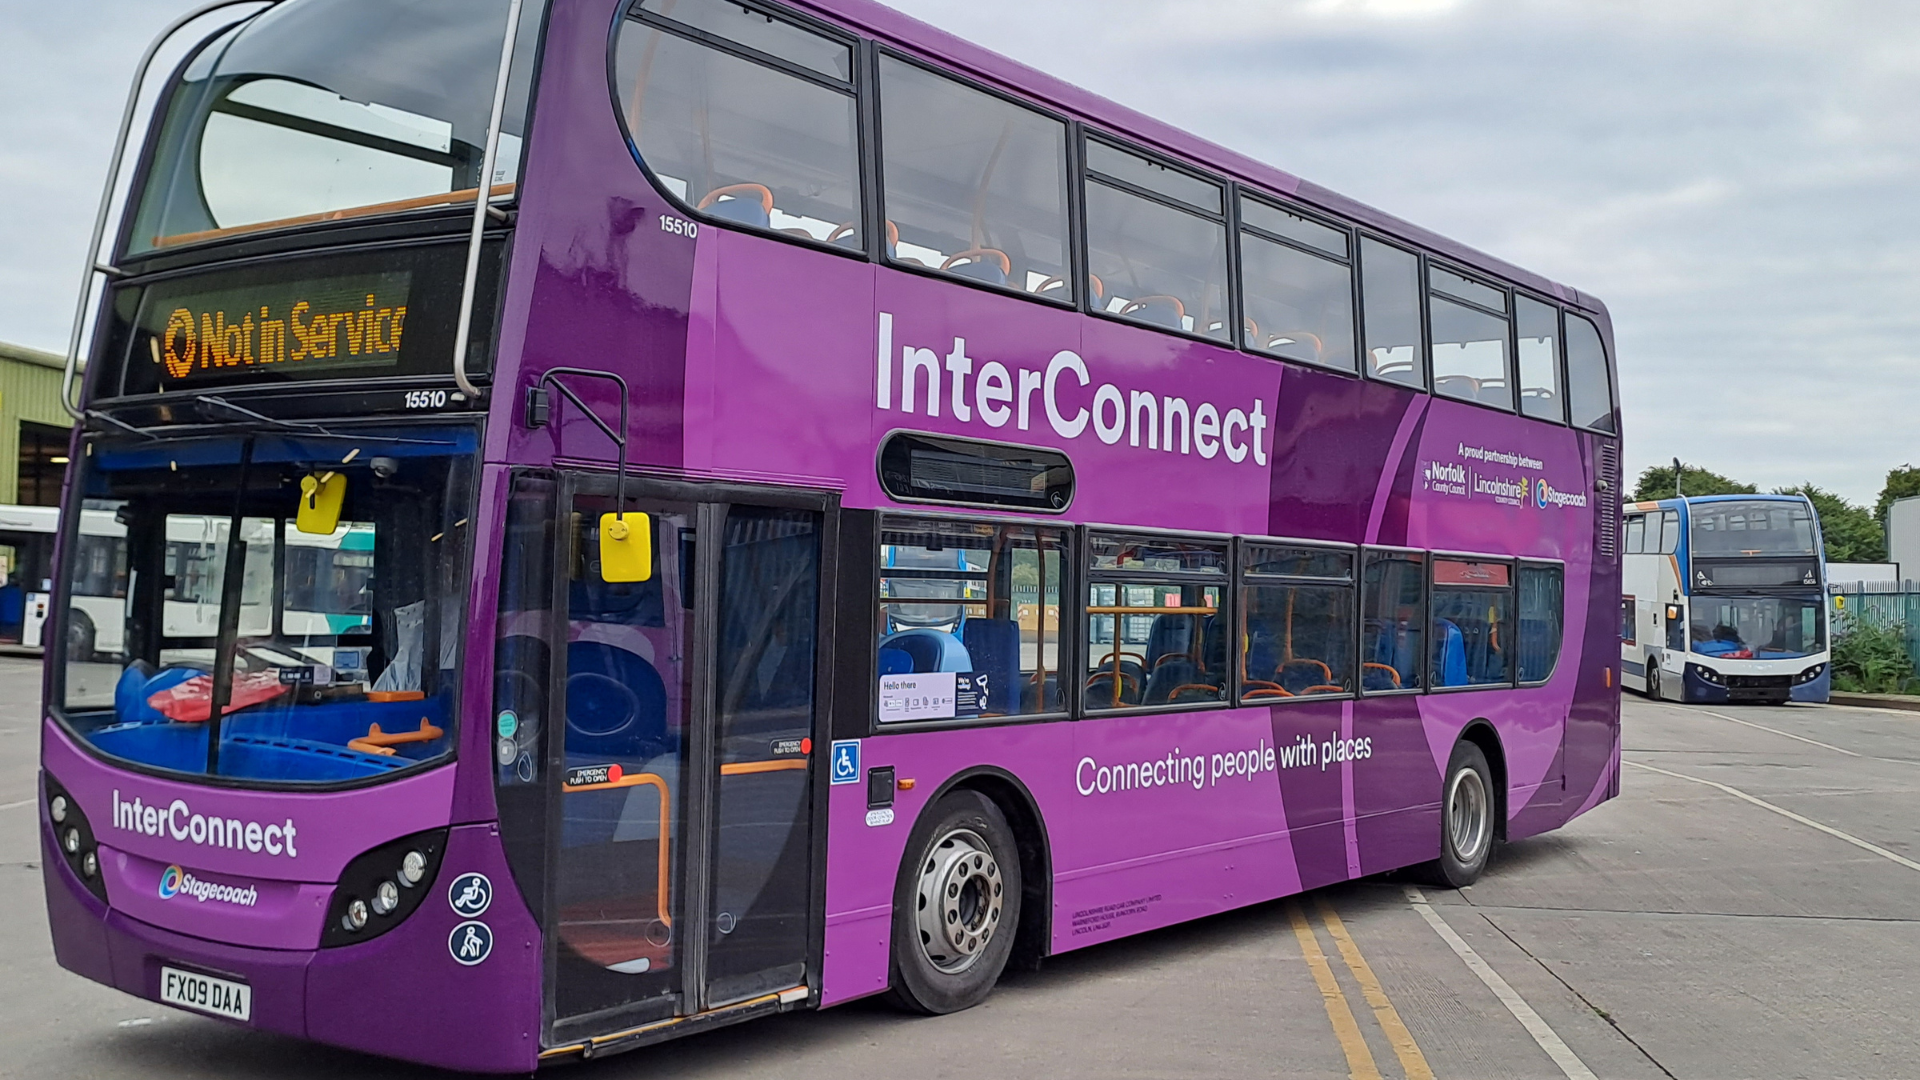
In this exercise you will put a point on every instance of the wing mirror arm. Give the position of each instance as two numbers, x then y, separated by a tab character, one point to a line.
626	539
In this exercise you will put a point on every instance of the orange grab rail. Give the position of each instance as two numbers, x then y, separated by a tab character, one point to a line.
666	813
380	742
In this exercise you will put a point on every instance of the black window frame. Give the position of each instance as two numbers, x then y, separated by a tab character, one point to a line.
1428	265
1559	356
1426	614
873	140
1068	655
859	88
1512	588
1085	175
1521	565
1353	585
1088	577
1567	315
1237	271
1422	363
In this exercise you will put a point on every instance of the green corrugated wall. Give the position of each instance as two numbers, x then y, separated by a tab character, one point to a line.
29	390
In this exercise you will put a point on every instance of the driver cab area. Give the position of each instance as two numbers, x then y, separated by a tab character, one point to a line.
262	641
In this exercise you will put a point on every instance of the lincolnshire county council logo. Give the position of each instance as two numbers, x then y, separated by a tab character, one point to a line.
170	883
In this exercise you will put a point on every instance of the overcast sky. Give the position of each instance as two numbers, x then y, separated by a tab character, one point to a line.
1737	179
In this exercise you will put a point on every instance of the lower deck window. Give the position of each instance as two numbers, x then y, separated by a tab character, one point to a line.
1393	621
1157	632
1473	629
1296	623
969	620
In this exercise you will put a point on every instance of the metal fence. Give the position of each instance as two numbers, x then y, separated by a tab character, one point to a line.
1884	605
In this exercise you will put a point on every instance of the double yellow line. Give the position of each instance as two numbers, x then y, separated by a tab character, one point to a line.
1360	1064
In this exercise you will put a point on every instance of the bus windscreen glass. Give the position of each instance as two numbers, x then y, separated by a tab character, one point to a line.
1759	527
1757	627
336	654
323	110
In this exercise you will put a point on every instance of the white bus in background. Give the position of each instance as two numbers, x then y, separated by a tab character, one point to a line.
1724	600
326	584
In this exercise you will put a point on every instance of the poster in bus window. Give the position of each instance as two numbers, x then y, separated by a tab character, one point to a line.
932	695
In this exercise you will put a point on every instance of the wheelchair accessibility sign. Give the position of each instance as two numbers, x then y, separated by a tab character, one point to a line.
846	761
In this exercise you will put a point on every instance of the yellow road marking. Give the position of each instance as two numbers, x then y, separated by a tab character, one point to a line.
1360	1064
1411	1059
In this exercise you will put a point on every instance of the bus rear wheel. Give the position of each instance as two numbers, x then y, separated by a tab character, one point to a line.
1653	679
80	636
1467	827
956	906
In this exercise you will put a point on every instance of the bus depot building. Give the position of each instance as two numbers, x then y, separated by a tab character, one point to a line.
33	461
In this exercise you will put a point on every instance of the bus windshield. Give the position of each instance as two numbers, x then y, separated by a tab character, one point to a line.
1757	627
1758	527
330	646
319	110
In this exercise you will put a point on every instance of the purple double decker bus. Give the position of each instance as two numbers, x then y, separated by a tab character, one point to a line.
641	514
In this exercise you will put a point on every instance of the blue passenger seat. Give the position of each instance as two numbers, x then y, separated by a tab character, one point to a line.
1450	654
929	649
994	647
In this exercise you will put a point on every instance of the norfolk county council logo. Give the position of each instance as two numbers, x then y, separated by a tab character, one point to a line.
170	883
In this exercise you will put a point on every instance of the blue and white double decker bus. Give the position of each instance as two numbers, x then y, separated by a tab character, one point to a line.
1724	600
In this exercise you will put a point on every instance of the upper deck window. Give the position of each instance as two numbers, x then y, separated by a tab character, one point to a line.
1541	394
1298	286
1756	527
743	116
1390	296
1156	243
1589	388
321	110
975	186
1470	331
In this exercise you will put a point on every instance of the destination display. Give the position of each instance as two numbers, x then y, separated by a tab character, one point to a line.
356	315
355	321
1755	574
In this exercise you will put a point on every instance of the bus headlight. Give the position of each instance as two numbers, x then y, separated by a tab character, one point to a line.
1810	674
412	869
380	888
73	835
1707	674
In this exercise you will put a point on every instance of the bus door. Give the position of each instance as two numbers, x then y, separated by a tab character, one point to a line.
682	867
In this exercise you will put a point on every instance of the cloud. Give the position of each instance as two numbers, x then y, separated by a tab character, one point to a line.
1733	177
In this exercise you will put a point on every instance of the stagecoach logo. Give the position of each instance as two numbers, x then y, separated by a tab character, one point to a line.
1546	495
177	882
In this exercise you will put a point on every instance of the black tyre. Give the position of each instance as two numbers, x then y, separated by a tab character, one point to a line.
80	636
1467	826
1653	677
956	907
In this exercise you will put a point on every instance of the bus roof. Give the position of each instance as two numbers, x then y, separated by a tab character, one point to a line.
912	35
1661	504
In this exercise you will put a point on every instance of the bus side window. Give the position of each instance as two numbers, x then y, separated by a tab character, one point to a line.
1390	297
1669	532
1296	623
1636	535
1629	629
969	620
733	137
975	186
1589	390
1541	395
1156	243
1299	293
1542	618
1393	620
1470	330
1158	632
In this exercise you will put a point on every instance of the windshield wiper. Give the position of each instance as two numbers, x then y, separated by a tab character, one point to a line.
95	414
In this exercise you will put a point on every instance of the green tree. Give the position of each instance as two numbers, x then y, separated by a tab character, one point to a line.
1851	533
1902	483
1657	483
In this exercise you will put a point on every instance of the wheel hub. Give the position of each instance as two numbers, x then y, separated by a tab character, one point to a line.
1468	813
959	899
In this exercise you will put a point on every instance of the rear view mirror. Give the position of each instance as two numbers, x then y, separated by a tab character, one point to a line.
626	547
320	497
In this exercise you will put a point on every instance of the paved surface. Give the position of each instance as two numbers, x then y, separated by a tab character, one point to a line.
1681	931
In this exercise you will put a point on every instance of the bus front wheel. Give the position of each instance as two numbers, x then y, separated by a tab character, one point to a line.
1467	828
956	906
1653	679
